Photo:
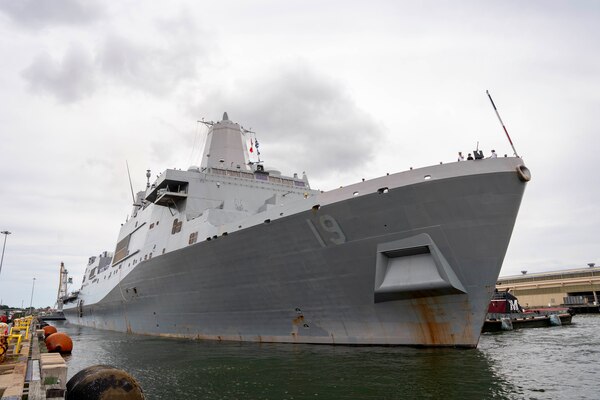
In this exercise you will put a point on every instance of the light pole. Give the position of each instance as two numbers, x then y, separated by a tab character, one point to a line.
5	233
31	301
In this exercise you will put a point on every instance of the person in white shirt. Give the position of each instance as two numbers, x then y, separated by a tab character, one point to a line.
494	155
460	156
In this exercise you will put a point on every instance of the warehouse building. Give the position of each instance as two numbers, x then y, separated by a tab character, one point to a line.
571	287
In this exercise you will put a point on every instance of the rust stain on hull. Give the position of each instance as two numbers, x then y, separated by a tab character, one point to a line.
296	322
433	328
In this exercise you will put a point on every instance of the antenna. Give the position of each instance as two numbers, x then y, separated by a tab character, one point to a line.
502	123
130	184
202	121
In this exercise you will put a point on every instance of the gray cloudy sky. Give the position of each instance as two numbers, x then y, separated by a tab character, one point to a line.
342	91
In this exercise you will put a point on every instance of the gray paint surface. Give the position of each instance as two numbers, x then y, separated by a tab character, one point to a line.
310	277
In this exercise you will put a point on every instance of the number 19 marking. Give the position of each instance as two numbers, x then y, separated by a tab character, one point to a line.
328	231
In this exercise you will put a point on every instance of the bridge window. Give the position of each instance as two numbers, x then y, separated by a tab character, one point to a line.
176	226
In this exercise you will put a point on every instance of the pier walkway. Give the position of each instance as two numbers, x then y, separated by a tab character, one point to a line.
26	370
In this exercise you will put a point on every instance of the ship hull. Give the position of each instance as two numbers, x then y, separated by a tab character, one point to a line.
412	265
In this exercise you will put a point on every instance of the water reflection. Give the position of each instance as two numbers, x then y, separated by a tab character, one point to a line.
182	369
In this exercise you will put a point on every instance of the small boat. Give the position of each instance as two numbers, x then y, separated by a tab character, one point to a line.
505	314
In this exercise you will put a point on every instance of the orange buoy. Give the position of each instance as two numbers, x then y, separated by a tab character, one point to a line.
59	343
103	382
49	330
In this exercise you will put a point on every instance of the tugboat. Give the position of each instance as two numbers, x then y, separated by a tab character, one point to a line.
505	314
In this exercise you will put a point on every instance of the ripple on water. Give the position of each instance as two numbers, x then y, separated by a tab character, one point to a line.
549	362
543	363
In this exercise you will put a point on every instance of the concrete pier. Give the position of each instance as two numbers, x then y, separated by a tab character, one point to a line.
27	370
14	366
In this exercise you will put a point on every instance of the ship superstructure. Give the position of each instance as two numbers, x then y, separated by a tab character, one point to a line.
231	251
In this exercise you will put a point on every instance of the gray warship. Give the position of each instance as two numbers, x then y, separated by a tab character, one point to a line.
233	251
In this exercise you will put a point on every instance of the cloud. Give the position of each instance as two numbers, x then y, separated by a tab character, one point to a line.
39	14
69	79
157	67
303	120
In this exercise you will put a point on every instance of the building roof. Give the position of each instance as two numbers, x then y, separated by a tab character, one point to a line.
542	276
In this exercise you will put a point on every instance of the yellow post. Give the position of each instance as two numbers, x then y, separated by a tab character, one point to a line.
18	345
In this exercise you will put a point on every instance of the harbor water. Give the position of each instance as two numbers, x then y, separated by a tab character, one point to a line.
544	363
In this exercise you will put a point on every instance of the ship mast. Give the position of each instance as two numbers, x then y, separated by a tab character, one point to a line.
226	146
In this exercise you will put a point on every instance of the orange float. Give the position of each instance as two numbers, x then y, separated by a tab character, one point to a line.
49	330
59	343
